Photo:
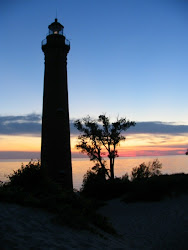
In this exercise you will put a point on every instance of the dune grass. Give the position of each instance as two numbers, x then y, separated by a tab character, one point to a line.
146	183
28	187
144	188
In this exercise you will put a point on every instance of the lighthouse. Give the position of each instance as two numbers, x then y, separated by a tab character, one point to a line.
55	145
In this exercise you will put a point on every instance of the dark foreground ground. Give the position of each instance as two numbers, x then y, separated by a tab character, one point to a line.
141	225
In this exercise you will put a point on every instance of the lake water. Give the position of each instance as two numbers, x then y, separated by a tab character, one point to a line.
170	164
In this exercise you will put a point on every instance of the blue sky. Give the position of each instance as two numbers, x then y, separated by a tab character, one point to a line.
127	57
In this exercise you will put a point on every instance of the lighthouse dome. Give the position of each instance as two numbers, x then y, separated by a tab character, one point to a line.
56	28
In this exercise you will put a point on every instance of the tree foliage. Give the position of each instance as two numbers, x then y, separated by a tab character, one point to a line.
27	175
100	136
146	171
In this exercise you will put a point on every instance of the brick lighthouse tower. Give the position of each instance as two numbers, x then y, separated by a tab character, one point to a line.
55	149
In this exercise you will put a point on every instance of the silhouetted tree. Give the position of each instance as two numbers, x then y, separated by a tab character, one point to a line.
100	135
27	176
146	171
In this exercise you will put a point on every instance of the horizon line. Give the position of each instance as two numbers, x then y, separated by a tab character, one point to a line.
35	155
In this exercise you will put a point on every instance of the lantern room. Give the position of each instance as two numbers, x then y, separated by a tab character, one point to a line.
56	28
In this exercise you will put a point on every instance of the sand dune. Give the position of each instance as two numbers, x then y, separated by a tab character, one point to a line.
156	225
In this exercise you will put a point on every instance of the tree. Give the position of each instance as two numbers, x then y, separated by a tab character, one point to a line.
100	136
146	171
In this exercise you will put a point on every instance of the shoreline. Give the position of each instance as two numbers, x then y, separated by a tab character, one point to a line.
171	165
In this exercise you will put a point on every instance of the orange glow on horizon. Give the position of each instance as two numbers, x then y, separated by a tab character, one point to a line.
20	143
148	145
134	145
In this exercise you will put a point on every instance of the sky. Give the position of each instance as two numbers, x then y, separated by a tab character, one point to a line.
128	58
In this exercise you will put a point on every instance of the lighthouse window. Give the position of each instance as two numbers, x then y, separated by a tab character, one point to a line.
56	32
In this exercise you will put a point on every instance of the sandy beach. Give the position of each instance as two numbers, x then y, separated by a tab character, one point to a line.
154	225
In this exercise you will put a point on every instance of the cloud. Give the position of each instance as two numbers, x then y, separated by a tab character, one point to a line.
31	125
20	125
158	128
152	128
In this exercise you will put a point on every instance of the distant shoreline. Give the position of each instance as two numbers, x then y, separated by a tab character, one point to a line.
35	157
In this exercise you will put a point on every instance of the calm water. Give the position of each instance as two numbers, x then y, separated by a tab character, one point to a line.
171	164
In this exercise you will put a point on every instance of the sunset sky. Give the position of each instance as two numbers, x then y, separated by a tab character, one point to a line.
128	58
